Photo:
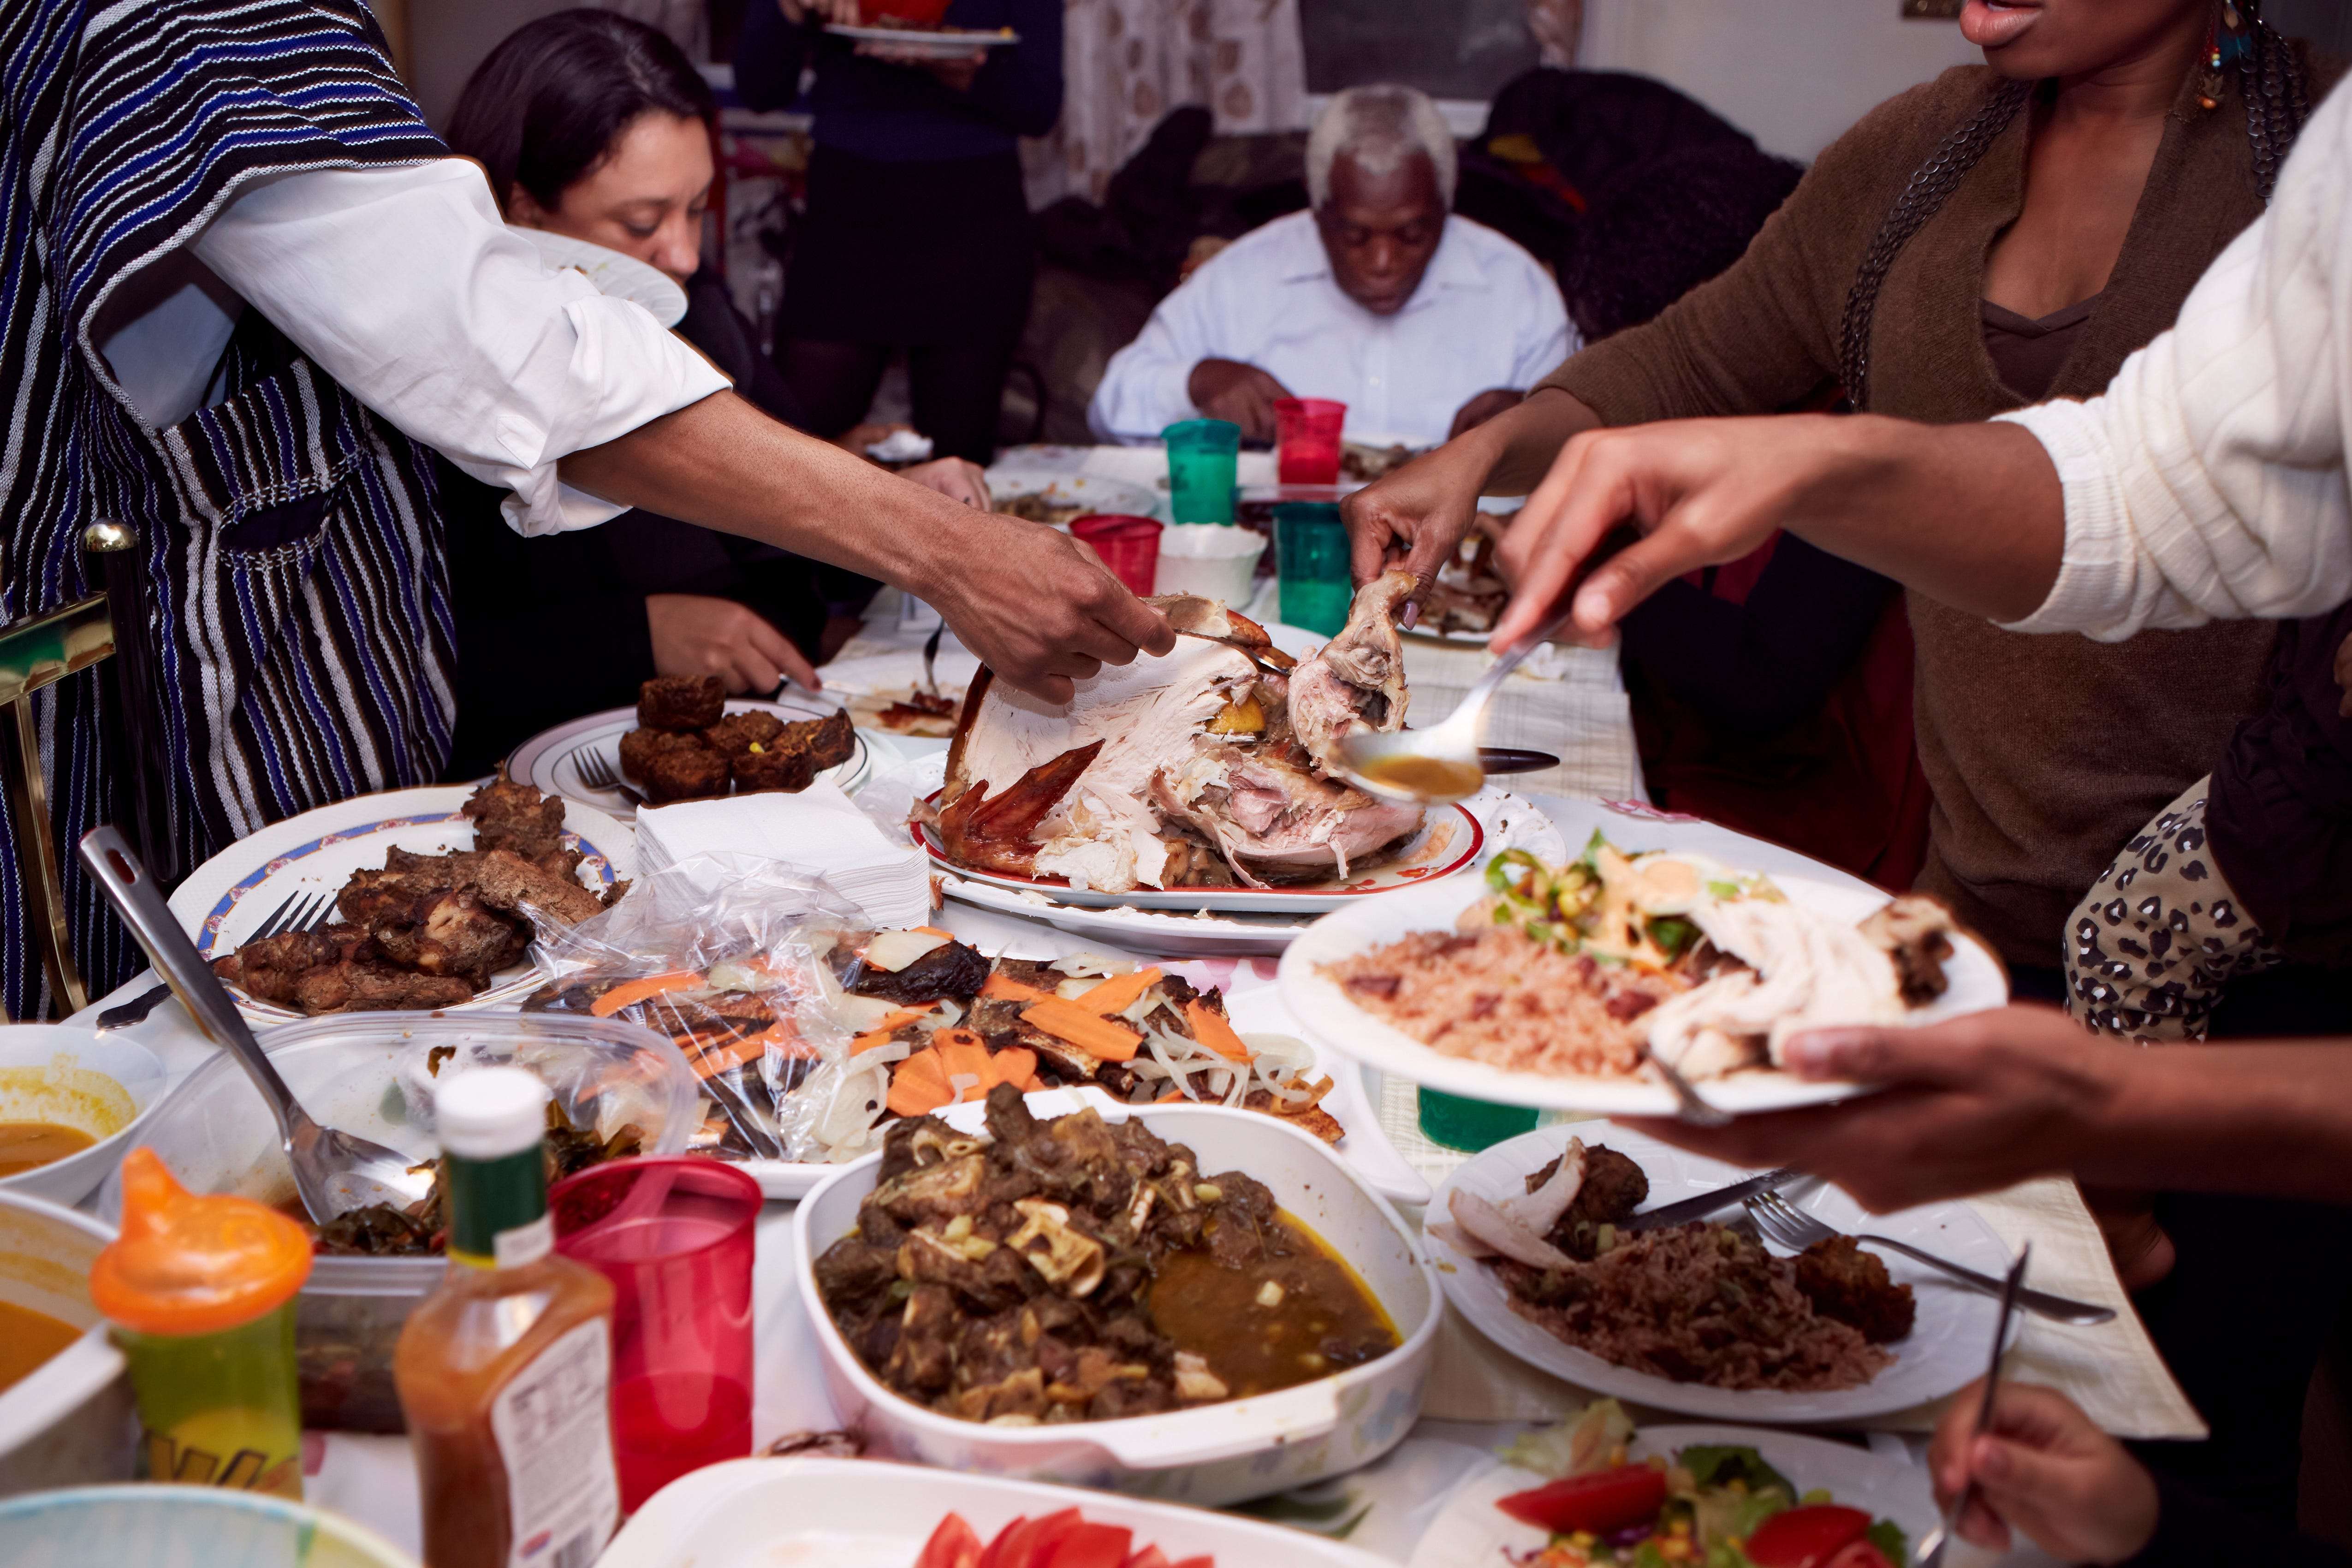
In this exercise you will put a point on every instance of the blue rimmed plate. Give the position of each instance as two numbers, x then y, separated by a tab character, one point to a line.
230	898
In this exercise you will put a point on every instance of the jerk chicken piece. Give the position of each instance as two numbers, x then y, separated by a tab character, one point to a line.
682	703
736	734
1357	681
1853	1285
673	766
450	932
510	815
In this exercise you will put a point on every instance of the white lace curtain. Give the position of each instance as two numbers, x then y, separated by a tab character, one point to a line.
1126	63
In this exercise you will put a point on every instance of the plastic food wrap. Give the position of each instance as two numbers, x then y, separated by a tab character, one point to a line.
724	955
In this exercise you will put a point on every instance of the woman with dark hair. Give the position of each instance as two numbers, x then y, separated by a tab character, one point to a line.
917	236
596	126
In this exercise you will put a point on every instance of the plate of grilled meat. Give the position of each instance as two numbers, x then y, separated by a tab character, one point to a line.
687	740
412	899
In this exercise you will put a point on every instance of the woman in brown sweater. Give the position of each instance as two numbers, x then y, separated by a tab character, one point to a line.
2003	234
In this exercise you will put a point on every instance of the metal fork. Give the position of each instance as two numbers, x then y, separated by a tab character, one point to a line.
1929	1553
931	658
596	771
302	912
1793	1228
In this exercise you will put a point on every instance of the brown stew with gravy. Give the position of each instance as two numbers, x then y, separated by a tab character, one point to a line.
1297	1314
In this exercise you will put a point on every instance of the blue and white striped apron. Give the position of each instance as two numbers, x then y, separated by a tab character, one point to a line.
299	606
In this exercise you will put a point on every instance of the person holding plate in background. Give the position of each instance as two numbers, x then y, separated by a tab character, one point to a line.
917	238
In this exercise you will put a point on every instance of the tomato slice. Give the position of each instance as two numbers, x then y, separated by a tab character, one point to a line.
1091	1546
953	1545
1601	1502
1861	1554
1150	1557
993	1555
1809	1537
1034	1546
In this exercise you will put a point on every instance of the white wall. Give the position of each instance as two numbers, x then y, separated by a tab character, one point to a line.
1790	73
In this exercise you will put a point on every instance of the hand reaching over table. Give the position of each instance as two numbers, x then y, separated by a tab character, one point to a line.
1228	389
1415	517
2044	1471
961	480
841	13
697	635
1039	608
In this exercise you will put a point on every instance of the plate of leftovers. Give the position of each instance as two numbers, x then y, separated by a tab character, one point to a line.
1595	1492
853	1513
1182	1300
1365	458
1468	596
1056	498
1204	778
687	740
943	42
1533	1245
412	898
1549	982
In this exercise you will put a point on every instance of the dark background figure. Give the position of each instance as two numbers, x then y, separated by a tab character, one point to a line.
917	236
594	125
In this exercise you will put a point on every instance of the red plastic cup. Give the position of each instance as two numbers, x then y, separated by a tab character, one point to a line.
1306	439
915	13
1129	546
674	1235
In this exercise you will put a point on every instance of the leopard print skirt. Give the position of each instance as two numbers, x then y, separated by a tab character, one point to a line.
2150	947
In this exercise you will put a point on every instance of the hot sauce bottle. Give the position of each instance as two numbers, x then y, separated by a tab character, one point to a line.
503	1371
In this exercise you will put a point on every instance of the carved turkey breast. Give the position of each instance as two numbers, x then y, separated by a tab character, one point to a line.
1203	767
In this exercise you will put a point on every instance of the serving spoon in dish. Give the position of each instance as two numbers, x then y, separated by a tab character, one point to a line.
333	1172
1433	766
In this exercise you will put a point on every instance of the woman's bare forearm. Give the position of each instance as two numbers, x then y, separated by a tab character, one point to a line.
1520	443
2272	1120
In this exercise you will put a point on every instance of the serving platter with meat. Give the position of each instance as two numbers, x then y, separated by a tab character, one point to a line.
1201	779
685	740
1553	982
1130	1298
1705	1316
416	898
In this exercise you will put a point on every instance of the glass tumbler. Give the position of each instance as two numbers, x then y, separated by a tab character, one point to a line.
674	1235
1203	457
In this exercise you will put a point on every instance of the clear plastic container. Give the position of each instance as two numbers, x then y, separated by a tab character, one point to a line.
216	1135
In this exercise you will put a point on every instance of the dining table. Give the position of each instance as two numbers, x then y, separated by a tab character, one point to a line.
1478	1396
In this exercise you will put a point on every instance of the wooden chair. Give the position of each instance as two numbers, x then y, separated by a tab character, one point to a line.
41	651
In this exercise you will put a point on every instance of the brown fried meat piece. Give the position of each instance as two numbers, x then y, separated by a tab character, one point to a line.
681	703
793	758
761	770
451	932
673	766
736	734
1853	1285
510	815
1613	1187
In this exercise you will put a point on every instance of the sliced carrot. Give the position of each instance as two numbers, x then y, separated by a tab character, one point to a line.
919	1085
1000	989
718	1058
629	993
934	930
879	1034
1213	1029
1090	1032
1016	1065
1119	993
965	1058
1172	1096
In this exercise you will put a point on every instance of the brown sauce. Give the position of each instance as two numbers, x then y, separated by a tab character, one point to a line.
1325	1321
24	1145
1432	778
27	1340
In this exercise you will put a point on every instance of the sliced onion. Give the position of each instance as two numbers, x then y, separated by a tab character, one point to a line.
959	1082
1098	963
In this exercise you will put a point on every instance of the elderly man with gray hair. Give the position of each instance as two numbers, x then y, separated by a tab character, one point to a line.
1424	323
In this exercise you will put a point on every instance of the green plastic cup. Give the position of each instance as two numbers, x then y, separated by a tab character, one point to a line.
221	1409
1471	1125
1203	458
1310	549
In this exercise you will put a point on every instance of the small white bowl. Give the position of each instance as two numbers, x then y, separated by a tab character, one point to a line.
1214	1454
34	1046
1215	560
67	1421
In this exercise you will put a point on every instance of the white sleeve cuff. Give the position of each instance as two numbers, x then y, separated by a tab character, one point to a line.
2094	593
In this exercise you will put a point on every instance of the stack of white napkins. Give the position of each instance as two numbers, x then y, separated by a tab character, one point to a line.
820	830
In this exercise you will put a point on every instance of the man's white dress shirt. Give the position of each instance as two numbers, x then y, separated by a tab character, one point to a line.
1485	316
404	285
2207	481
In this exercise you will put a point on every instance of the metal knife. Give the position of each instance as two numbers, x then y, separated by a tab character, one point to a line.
1706	1203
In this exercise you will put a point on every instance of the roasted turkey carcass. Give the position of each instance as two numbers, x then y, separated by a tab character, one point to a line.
1197	758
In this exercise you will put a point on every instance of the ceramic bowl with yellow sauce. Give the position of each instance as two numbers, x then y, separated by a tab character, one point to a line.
69	1103
65	1405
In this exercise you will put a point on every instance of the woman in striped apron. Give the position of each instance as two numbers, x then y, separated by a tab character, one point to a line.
191	189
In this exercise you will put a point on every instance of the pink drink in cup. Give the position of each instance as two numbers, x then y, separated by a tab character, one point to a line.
1129	546
1306	439
674	1237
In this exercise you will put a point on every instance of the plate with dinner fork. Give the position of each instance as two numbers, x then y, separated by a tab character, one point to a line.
1943	1350
581	760
286	877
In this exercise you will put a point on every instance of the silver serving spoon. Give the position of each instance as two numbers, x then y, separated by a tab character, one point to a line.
333	1172
1429	767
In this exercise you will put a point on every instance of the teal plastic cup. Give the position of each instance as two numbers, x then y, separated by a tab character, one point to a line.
1311	551
1203	457
1456	1122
